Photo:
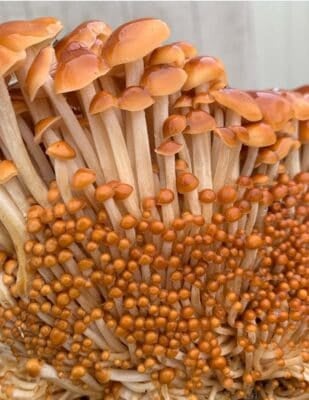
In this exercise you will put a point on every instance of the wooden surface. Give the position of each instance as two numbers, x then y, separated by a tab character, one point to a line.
263	44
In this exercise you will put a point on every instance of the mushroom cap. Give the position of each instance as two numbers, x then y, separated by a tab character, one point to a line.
77	68
135	98
173	125
202	98
276	109
82	178
162	80
238	101
7	171
201	70
168	148
134	40
183	101
104	192
39	71
257	135
304	131
165	196
186	182
227	136
19	35
284	146
10	59
207	196
19	106
267	156
86	34
102	101
43	125
188	49
122	191
61	150
300	105
169	54
199	121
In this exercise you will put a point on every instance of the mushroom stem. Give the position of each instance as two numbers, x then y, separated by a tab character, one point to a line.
248	166
13	141
5	240
305	157
143	165
233	119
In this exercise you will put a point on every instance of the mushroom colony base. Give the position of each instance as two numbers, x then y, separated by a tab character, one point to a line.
153	221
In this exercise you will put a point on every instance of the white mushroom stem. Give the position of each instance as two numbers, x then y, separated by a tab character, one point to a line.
249	163
121	375
143	164
292	161
305	157
233	119
13	222
5	240
222	165
272	171
14	142
73	126
35	151
216	141
14	189
99	135
63	179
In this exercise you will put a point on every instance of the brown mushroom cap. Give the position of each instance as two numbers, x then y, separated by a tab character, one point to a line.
202	70
168	148
284	146
173	125
276	109
202	98
86	33
168	54
43	125
10	59
19	35
300	105
39	71
61	150
7	171
162	80
240	102
165	196
186	182
134	40
227	136
134	98
102	101
304	131
183	101
199	121
77	68
82	178
267	156
188	49
257	135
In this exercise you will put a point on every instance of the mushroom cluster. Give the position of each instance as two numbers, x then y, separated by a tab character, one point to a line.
154	221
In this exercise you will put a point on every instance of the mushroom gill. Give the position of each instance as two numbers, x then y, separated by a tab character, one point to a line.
154	230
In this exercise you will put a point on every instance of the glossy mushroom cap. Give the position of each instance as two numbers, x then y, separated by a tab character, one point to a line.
78	67
43	125
134	40
19	35
240	102
162	80
199	121
10	59
169	54
169	148
102	101
134	98
257	135
82	178
61	150
304	131
173	125
7	171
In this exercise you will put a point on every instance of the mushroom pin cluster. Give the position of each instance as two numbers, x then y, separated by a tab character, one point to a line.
153	221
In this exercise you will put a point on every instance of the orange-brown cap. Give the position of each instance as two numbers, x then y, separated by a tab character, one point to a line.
173	125
122	191
19	35
284	145
10	59
202	70
77	68
240	102
134	40
199	121
162	80
86	33
43	125
300	105
257	135
39	71
227	136
207	196
135	98
168	148
304	131
202	98
61	150
168	54
102	101
183	101
276	109
267	156
165	196
82	178
188	49
7	171
103	193
186	182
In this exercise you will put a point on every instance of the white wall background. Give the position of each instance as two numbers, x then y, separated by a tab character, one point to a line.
263	44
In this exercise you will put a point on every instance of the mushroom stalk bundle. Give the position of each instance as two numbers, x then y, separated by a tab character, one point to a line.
154	230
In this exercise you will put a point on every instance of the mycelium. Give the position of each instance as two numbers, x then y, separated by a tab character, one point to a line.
153	221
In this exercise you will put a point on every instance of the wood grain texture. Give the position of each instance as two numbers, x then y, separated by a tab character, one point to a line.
263	44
